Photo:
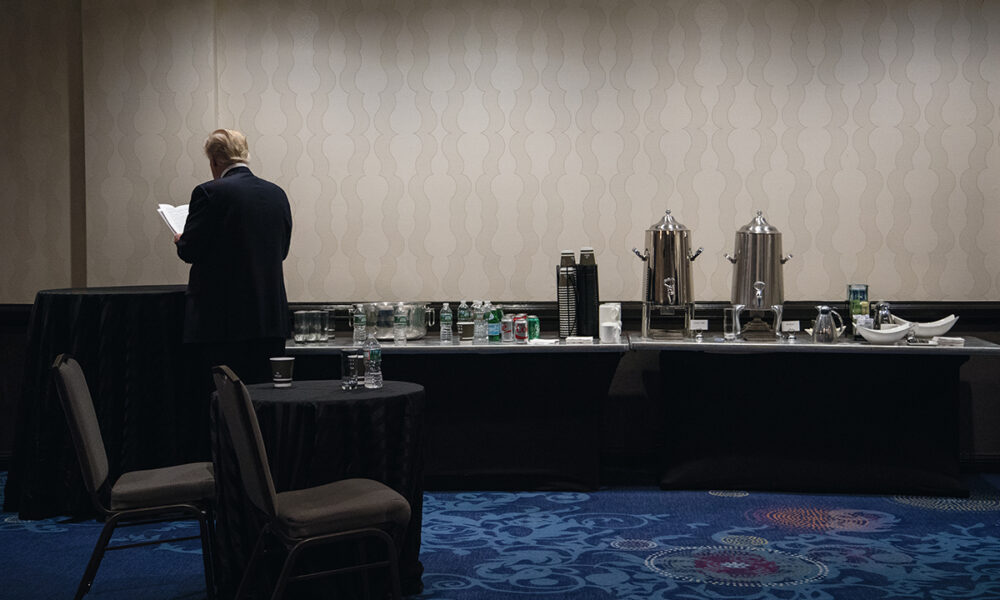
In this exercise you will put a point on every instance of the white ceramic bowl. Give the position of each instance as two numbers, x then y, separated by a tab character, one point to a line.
886	335
934	328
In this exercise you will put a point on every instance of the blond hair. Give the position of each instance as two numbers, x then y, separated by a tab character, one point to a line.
226	146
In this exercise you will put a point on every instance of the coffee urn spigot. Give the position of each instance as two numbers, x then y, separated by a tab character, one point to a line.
758	287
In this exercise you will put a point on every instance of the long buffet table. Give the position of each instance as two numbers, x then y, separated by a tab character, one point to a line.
844	417
849	416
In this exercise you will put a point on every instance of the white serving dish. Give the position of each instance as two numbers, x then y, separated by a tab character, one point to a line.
886	335
932	329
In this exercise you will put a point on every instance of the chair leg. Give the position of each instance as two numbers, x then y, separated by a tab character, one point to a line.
95	557
393	568
247	573
207	528
286	571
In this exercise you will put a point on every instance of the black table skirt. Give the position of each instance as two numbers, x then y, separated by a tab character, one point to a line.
812	422
128	342
316	433
505	421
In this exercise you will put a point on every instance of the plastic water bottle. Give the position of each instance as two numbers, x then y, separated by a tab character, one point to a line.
445	318
400	322
480	333
359	321
493	316
373	362
464	314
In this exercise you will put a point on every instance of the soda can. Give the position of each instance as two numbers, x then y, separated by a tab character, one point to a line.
534	327
507	329
521	330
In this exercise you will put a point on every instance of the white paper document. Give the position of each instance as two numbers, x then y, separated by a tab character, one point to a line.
174	216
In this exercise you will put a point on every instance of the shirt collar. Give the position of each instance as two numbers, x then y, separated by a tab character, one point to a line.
233	166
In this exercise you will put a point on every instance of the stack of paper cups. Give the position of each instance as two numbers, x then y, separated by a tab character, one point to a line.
610	317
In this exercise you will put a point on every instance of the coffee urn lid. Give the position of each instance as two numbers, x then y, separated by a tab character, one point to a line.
668	223
758	225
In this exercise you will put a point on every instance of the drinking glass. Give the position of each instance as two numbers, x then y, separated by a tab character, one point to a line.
352	370
313	325
730	328
301	331
322	320
330	330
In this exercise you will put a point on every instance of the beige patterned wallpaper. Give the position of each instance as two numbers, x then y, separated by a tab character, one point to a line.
34	172
149	100
449	149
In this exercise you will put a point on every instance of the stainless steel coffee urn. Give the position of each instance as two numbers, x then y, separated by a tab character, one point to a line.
668	282
758	284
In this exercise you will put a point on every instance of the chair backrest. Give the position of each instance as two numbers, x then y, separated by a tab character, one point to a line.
74	395
244	433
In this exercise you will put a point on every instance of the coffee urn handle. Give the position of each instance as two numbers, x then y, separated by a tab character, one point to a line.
731	259
787	258
697	252
642	256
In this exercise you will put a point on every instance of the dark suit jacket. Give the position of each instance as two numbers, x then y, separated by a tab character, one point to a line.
237	234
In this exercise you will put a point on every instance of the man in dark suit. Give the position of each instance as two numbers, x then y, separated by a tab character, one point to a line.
236	236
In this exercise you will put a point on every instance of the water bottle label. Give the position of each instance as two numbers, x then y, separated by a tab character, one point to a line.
446	319
375	356
359	320
400	321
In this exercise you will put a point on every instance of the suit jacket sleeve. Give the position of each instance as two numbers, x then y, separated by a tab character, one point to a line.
288	230
202	228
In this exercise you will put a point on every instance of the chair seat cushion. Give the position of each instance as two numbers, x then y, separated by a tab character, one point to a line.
340	506
181	484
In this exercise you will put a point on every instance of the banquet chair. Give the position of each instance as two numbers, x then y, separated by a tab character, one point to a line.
342	511
181	492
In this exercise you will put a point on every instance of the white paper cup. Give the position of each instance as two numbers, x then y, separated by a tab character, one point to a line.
611	332
610	312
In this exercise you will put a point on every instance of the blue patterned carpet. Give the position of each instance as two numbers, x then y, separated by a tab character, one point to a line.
637	544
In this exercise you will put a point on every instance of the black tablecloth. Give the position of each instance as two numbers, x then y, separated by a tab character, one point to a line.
316	433
128	342
812	422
